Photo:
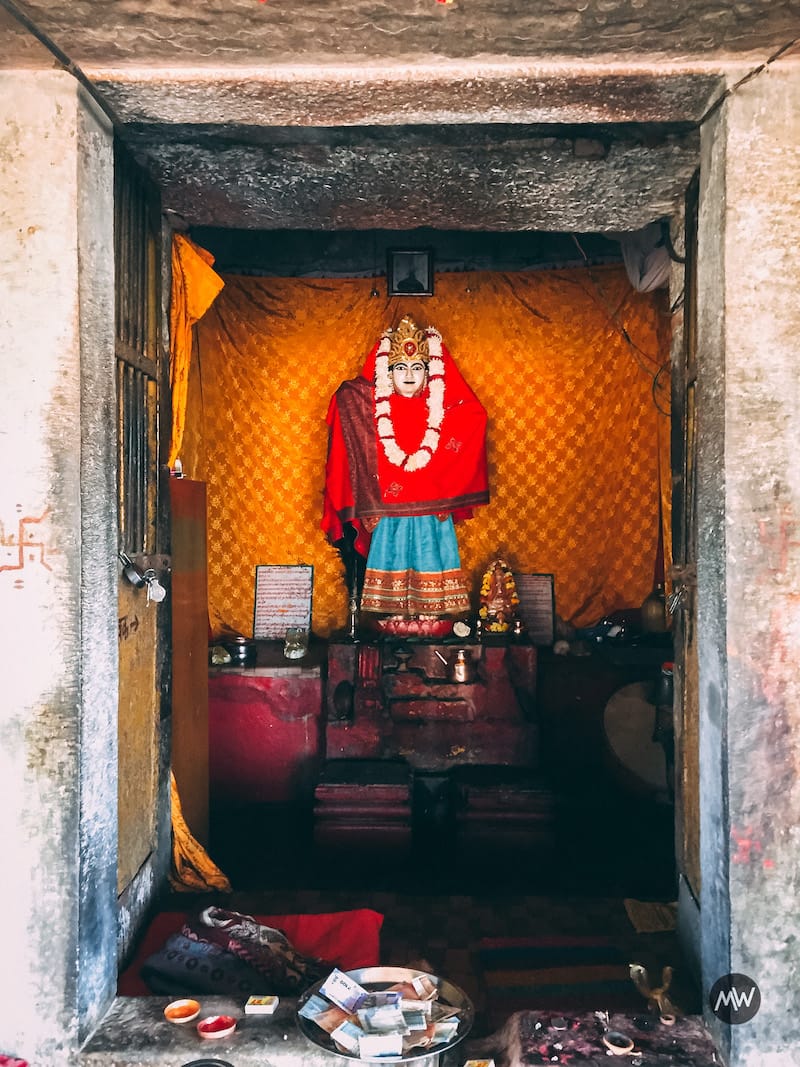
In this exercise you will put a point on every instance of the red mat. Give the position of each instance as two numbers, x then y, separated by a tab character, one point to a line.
348	939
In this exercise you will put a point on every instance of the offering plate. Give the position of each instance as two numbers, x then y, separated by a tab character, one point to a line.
374	979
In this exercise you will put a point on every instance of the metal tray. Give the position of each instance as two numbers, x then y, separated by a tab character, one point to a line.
377	978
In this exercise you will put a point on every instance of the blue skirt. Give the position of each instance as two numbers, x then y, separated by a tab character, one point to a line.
414	568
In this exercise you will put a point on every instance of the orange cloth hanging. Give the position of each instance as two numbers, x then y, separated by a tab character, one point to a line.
191	870
195	286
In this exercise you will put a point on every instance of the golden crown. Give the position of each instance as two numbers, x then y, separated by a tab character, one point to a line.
408	343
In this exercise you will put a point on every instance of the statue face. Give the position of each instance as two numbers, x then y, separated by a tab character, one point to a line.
409	379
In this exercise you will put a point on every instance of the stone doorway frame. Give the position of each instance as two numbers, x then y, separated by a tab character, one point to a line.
60	745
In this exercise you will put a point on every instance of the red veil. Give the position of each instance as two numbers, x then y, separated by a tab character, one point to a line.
362	484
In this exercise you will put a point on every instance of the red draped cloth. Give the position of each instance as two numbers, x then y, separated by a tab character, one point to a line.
363	486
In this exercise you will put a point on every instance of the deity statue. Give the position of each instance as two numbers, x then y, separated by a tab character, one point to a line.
406	457
498	601
498	597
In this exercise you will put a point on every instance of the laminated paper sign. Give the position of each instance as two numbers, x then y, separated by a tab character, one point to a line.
537	606
282	600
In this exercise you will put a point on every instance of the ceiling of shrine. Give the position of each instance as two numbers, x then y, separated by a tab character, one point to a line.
473	114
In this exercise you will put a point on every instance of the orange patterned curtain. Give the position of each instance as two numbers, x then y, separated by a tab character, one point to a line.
566	364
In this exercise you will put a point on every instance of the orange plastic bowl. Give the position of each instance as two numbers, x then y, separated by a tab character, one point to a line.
182	1011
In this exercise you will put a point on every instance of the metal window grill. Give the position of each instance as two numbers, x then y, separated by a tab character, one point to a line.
136	346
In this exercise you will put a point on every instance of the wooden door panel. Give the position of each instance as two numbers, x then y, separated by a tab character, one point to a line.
190	652
143	624
138	731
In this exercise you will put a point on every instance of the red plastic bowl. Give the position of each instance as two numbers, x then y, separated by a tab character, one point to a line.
216	1026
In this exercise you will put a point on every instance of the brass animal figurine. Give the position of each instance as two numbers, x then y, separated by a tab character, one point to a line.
658	1000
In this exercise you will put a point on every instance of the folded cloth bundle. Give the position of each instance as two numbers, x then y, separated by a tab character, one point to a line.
221	951
184	965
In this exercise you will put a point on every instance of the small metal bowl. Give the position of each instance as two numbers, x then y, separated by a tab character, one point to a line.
618	1044
242	651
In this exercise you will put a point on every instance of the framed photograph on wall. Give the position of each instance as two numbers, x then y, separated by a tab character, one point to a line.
409	272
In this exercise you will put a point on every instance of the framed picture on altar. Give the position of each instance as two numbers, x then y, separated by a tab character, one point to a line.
409	271
282	600
537	606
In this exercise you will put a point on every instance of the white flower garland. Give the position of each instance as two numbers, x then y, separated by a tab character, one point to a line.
434	400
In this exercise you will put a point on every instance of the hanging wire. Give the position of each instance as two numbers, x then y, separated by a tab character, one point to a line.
717	104
666	238
665	366
678	302
521	299
636	351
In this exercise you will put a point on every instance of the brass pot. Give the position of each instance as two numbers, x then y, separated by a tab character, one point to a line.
654	612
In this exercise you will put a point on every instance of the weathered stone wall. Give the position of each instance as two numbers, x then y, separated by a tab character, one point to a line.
58	576
403	94
749	557
97	958
711	554
374	33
